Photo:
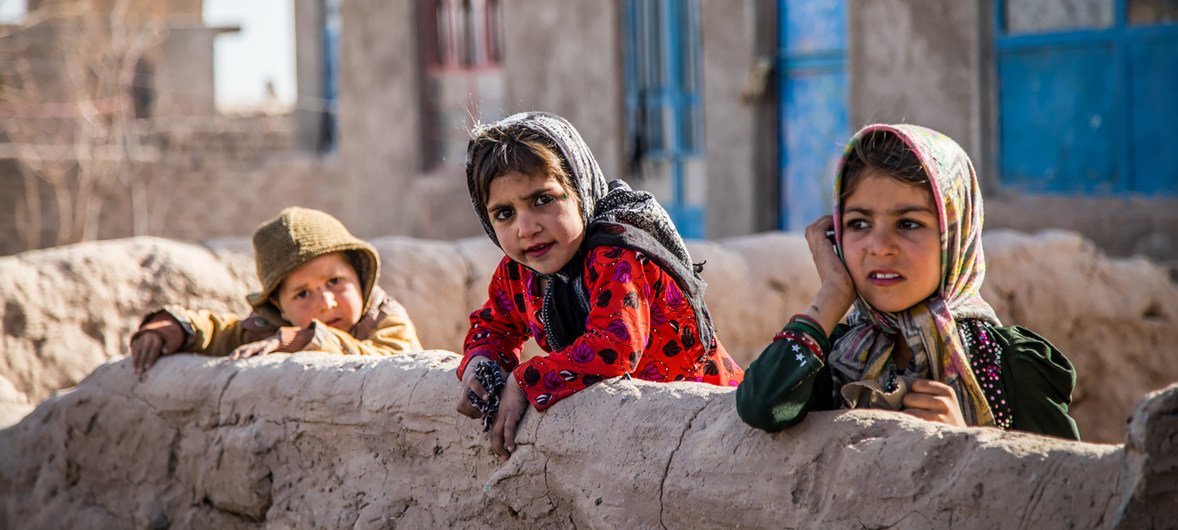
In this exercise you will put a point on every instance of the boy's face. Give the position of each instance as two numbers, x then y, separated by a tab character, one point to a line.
537	221
891	241
326	289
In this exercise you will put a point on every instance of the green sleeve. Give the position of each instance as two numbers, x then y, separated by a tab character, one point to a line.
779	388
1039	381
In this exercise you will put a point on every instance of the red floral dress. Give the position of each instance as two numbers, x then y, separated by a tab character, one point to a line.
640	324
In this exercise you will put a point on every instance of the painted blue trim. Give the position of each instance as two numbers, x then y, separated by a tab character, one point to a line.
812	81
1121	70
1120	111
1061	39
660	87
833	60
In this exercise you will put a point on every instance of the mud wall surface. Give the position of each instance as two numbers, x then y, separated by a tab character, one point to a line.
312	440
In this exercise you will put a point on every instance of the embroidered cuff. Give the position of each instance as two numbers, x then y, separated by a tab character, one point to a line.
292	339
166	327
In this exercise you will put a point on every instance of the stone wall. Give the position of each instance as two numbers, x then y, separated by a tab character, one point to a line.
67	310
318	441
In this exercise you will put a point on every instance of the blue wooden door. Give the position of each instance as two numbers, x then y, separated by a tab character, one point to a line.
1084	92
813	121
664	120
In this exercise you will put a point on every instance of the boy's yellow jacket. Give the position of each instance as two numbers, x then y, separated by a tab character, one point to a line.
385	329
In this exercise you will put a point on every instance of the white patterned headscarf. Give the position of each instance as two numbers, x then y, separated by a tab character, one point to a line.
862	358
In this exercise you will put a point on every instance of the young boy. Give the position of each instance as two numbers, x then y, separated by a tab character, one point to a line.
319	293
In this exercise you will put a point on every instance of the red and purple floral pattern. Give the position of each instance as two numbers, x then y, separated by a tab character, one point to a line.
638	324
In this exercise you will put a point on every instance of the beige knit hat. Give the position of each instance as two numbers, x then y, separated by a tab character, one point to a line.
299	235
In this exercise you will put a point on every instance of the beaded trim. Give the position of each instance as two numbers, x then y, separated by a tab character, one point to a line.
985	358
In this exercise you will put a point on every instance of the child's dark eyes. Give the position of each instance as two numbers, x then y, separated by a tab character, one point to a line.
856	224
902	224
333	282
502	214
301	295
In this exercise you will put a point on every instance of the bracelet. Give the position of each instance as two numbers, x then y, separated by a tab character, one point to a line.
802	338
806	319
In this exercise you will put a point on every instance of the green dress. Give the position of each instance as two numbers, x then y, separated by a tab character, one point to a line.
787	381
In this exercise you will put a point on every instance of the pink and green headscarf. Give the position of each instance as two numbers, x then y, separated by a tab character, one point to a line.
861	356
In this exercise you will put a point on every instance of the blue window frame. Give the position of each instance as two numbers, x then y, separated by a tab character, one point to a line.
331	29
813	118
664	119
1085	90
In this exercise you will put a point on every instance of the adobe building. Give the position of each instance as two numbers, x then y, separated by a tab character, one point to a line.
732	112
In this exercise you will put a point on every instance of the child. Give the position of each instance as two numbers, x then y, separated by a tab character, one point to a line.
595	273
907	225
319	293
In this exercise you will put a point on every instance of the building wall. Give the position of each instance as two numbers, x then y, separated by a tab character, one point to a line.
929	62
183	78
918	61
729	32
379	115
309	76
565	57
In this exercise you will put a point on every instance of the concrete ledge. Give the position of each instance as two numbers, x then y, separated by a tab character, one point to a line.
312	440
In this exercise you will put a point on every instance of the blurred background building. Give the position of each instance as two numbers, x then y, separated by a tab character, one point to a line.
733	112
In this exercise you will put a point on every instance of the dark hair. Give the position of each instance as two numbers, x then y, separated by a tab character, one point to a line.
884	151
497	151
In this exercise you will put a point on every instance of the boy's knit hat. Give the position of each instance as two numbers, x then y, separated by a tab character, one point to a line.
298	235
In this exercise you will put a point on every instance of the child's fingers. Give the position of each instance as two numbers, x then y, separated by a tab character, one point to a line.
928	386
920	401
924	415
142	351
509	424
475	386
466	408
497	437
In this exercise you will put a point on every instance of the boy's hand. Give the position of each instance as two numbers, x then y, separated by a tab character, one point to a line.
145	349
261	347
933	401
512	405
470	382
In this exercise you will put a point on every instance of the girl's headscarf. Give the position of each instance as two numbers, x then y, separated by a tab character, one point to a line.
861	360
614	215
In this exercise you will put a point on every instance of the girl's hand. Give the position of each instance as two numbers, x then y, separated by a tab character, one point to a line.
145	349
261	347
837	293
933	401
512	405
470	382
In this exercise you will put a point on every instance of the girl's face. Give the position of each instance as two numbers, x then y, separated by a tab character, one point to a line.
891	241
537	221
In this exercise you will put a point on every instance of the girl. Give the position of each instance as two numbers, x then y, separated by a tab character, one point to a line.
595	273
907	254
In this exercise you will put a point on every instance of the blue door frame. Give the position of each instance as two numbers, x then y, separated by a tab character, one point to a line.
1088	111
662	99
813	122
331	29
